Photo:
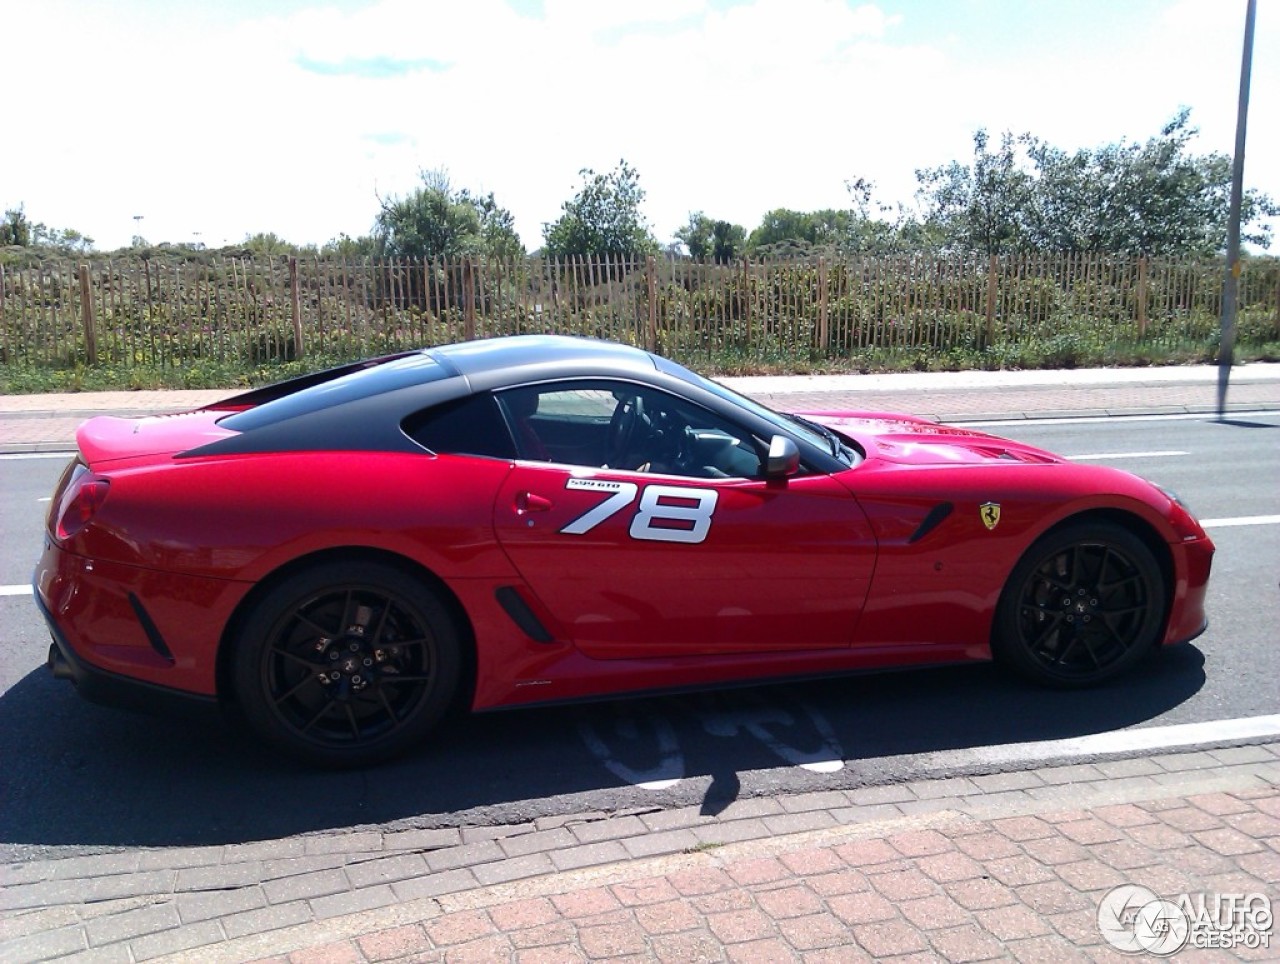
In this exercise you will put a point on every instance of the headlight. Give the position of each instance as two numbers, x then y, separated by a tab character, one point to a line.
1181	518
1173	496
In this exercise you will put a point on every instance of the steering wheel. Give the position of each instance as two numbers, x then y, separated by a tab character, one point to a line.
622	428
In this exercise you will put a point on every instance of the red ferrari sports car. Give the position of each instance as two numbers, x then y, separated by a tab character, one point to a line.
533	519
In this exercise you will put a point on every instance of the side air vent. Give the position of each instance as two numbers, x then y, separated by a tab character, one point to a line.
524	617
931	521
149	627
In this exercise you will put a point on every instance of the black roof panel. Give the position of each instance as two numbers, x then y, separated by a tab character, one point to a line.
495	362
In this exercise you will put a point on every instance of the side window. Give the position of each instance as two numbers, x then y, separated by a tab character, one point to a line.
615	425
466	426
561	423
689	440
591	404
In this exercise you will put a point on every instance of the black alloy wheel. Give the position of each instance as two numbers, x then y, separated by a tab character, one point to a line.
1084	604
345	665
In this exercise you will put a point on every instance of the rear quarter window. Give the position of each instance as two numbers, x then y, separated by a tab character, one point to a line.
466	426
388	376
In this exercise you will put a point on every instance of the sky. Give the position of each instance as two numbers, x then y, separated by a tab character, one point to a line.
207	121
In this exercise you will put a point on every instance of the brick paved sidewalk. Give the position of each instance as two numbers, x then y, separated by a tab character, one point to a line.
953	888
997	866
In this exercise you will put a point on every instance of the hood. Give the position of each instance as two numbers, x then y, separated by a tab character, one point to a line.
109	438
910	440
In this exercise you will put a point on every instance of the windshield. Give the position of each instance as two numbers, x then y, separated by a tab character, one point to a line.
793	425
838	444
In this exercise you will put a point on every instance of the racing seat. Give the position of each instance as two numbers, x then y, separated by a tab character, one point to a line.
523	406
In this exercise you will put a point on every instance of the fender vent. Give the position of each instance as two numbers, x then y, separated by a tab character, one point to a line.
524	617
931	521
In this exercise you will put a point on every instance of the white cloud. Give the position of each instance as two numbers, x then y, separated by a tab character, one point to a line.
208	121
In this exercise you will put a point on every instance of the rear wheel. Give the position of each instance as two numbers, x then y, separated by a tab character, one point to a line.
1083	605
346	664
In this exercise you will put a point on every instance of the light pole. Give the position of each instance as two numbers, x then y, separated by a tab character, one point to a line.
1231	285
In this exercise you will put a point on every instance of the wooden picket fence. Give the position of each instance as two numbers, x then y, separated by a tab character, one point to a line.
172	311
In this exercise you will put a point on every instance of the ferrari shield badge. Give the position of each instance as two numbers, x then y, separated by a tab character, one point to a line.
990	512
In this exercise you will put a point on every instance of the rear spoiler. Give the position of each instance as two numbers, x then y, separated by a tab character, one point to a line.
108	438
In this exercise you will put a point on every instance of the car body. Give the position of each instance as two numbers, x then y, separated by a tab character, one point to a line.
537	519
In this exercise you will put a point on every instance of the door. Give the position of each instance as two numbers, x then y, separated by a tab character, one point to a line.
651	563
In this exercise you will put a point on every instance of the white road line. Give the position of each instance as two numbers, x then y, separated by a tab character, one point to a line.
1116	744
13	456
1033	419
1099	456
1128	741
1243	520
23	590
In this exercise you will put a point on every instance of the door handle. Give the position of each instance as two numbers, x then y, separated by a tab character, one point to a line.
529	502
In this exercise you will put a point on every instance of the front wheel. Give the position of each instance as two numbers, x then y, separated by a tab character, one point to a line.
1083	605
346	664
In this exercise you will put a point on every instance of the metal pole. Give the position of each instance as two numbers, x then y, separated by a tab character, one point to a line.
1231	284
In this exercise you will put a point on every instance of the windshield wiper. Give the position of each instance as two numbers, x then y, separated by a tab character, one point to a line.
832	438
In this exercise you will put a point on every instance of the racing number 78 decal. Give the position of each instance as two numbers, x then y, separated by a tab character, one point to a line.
666	513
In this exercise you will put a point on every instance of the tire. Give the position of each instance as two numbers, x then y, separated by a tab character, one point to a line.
1084	604
346	663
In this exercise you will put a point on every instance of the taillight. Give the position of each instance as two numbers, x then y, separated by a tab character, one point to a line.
82	496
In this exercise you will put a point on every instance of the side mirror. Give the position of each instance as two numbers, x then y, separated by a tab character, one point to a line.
784	458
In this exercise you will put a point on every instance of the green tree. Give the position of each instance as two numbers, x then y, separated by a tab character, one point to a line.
603	219
982	206
728	241
435	221
711	240
695	235
787	233
881	229
1155	197
15	229
62	240
498	235
345	246
268	243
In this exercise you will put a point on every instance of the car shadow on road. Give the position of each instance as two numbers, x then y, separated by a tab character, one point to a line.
84	776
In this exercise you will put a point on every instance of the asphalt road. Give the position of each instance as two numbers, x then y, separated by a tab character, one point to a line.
77	777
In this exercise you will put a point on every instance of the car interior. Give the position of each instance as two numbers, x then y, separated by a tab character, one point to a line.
598	424
627	427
